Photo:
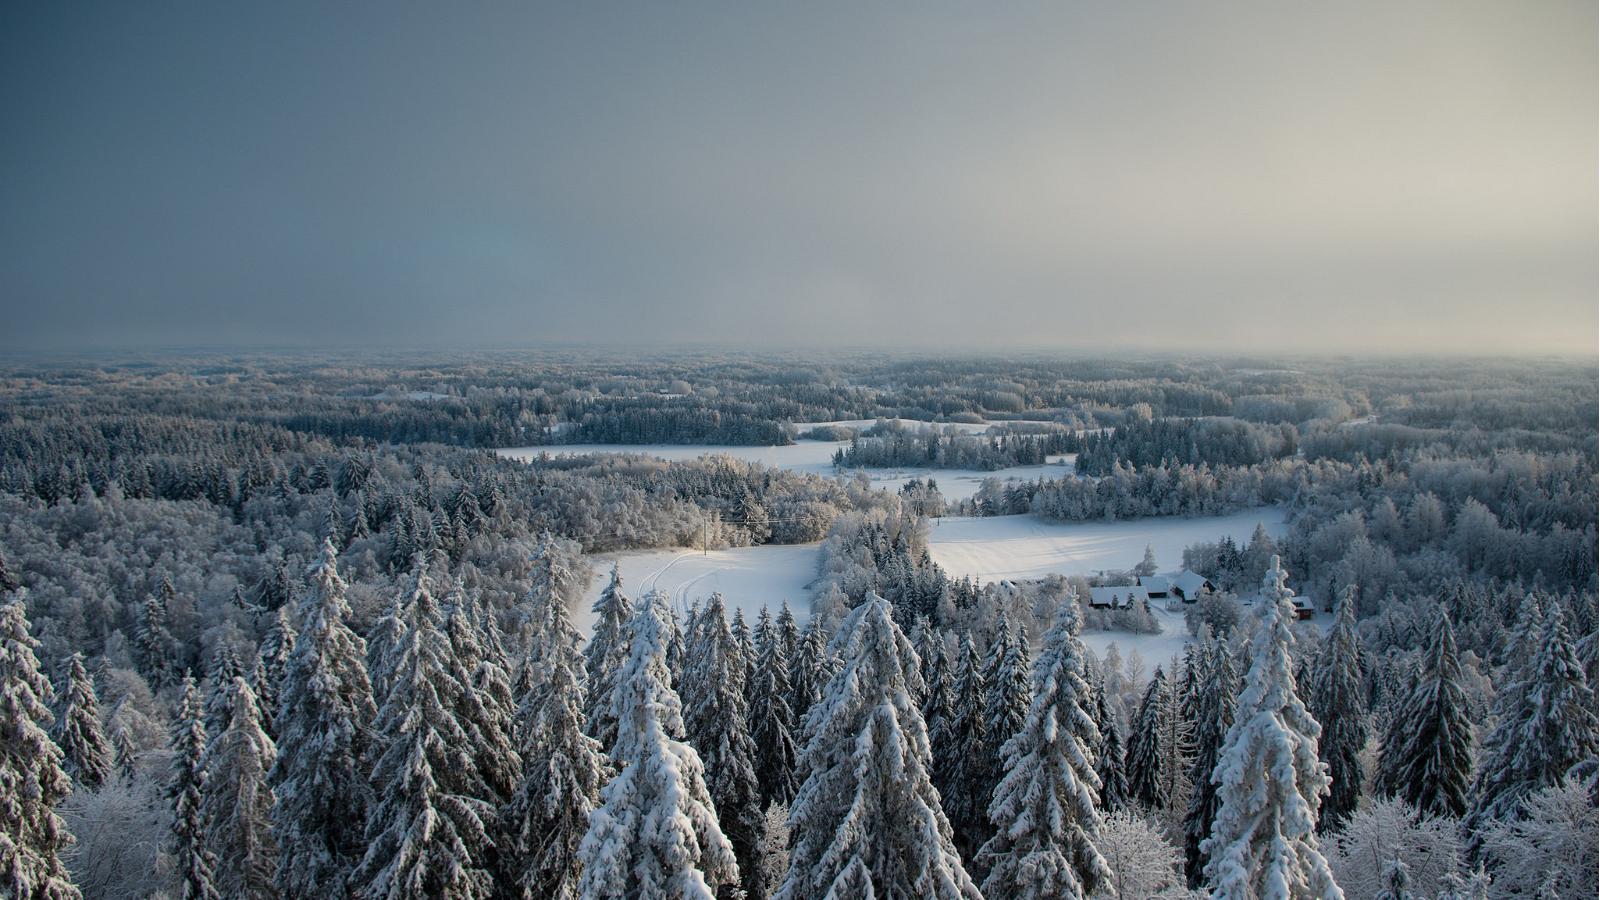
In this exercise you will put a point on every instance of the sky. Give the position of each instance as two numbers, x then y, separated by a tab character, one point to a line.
1230	176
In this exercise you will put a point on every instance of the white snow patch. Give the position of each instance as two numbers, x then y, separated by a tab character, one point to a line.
747	577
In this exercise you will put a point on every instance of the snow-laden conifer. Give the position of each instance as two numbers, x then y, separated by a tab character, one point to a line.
656	832
1426	756
196	865
1007	675
1114	791
236	801
605	656
32	781
1144	758
563	770
1337	702
866	821
809	671
962	770
484	706
225	667
1214	710
1045	809
324	721
771	721
1270	783
77	730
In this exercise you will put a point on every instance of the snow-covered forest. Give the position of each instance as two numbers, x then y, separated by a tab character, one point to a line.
287	626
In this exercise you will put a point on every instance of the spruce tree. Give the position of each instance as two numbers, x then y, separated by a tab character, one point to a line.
195	862
484	706
809	671
77	730
1045	809
1115	793
771	721
605	656
225	667
564	769
866	821
656	832
962	770
1546	726
1270	782
236	801
1426	757
277	645
153	641
32	780
428	834
1006	673
1214	712
1336	702
716	719
1144	759
324	722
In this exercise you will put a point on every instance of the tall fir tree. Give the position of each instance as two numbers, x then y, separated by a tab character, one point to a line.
1216	683
225	667
1270	781
428	833
809	671
716	719
771	721
153	641
1006	673
656	832
32	780
1115	793
1547	725
962	770
1426	757
236	800
324	722
484	706
1046	807
77	730
564	769
605	656
277	646
1143	763
196	864
1337	703
866	821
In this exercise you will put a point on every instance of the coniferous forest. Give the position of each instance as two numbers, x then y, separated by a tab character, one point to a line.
278	626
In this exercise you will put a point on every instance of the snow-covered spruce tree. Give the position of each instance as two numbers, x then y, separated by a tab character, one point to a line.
324	721
236	801
77	730
1114	791
1546	726
716	719
924	638
153	641
1426	757
1269	780
962	770
1006	673
8	580
866	821
1214	709
32	781
384	643
604	657
809	671
771	721
277	645
1552	850
563	771
428	834
1177	746
195	863
484	706
1045	807
1396	882
225	667
655	833
1337	702
1144	758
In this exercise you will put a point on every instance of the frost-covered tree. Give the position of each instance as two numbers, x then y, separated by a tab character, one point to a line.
195	863
1546	726
962	768
1006	674
656	832
153	641
1146	566
324	718
32	780
1388	829
1114	791
484	706
1337	702
1426	757
1045	809
809	671
1270	782
605	656
1143	864
716	719
225	667
1144	758
866	821
563	771
1396	882
77	730
277	646
236	801
1215	683
429	830
1551	850
771	721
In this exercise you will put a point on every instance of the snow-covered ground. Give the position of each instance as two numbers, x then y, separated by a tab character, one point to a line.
815	457
748	577
1021	547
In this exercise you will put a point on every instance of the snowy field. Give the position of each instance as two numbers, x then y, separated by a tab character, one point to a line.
747	577
815	457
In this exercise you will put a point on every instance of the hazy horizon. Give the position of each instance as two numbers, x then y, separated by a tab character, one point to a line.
1234	179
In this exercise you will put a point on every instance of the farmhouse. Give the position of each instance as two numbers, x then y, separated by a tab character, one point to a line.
1185	585
1159	587
1117	597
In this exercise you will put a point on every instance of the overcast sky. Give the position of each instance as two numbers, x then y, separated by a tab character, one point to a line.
1229	175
